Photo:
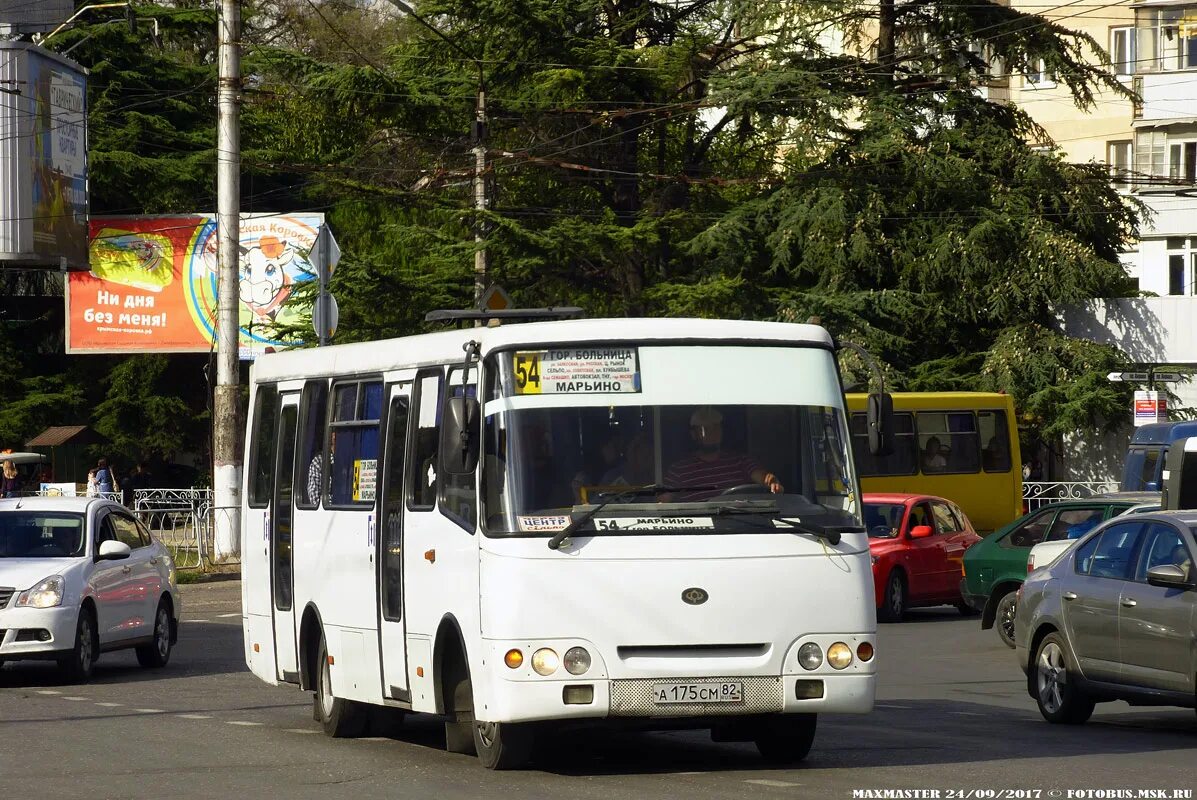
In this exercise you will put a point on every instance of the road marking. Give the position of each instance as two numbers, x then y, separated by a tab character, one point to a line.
226	616
374	739
774	784
195	620
149	711
48	691
966	714
890	705
297	730
241	722
195	716
110	705
74	698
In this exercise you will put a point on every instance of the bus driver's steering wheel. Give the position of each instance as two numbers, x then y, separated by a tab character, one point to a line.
745	488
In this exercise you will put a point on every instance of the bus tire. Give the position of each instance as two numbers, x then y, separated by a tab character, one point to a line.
459	729
503	745
893	608
786	739
1004	619
338	717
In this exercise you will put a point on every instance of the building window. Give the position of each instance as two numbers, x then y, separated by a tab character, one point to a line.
1166	38
1182	264
1182	161
1118	159
1151	153
1037	76
1122	50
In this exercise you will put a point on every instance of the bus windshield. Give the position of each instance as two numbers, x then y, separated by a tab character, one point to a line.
659	434
1142	472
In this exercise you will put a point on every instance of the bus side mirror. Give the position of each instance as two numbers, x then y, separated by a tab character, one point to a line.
460	436
881	424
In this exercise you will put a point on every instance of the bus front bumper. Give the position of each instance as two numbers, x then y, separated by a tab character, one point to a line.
633	698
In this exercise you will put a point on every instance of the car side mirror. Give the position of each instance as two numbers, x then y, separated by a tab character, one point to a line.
920	531
1169	576
880	419
113	550
460	436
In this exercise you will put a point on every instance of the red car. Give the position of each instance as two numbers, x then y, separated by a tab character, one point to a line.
917	542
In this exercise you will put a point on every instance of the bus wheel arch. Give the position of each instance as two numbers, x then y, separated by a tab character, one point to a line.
311	631
454	691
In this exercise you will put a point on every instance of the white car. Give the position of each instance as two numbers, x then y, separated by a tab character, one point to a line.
80	576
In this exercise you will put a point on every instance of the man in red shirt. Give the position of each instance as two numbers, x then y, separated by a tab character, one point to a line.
711	465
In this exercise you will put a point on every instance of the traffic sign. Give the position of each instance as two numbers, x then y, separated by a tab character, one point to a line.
334	315
1129	377
494	299
1166	377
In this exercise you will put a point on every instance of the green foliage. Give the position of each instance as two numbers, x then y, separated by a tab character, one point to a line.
143	414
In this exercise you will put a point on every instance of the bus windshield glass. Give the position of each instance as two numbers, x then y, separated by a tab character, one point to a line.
740	459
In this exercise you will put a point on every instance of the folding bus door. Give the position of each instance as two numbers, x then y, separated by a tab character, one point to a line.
391	620
280	523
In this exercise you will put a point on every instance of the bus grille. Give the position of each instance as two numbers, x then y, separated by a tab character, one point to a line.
633	698
6	595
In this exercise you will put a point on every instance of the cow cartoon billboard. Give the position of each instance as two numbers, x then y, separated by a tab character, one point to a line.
152	285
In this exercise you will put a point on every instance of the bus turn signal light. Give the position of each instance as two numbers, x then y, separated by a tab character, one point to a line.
514	659
864	651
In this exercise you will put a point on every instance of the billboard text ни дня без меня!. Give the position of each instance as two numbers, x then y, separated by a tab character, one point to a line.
152	286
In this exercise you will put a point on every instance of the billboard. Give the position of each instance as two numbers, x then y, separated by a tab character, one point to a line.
152	285
43	158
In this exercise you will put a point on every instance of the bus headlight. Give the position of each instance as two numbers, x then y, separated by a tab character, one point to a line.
576	660
545	661
810	656
839	655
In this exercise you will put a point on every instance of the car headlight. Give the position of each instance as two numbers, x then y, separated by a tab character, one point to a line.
46	594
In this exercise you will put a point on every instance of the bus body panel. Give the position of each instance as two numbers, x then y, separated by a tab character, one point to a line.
991	499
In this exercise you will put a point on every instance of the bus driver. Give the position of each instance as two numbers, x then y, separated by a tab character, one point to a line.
711	465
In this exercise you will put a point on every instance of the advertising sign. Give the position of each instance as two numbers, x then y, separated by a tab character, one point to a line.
152	286
59	160
1150	408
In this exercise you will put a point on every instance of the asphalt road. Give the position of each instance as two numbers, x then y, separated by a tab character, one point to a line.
952	715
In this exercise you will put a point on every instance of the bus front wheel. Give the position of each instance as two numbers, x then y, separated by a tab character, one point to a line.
786	739
502	745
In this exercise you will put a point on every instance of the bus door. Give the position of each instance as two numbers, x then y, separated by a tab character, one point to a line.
279	529
391	621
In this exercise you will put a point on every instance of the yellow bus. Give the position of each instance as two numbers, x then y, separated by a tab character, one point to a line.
958	445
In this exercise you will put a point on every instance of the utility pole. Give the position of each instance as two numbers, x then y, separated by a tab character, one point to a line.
480	259
225	420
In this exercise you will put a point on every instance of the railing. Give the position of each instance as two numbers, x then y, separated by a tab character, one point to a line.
1036	494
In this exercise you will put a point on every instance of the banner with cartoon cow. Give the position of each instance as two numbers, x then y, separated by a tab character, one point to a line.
152	283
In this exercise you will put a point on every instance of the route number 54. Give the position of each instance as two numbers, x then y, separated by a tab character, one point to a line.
527	373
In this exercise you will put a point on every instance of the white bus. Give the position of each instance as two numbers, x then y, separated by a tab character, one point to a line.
652	523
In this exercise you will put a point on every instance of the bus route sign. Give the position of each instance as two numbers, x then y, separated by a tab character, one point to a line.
582	370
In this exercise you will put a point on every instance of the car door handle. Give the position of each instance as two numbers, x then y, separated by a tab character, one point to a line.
154	560
1128	602
1069	595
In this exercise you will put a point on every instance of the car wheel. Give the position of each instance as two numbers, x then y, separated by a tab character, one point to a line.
786	739
157	653
78	664
502	745
1004	618
894	606
1060	699
338	717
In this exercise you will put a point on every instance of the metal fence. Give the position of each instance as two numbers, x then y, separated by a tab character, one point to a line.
1036	494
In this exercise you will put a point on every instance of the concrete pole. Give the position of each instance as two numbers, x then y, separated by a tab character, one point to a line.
226	425
480	261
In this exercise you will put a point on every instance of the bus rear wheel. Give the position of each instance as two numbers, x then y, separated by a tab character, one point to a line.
786	739
338	717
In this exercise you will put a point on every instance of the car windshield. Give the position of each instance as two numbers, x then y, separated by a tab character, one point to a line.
39	534
666	438
1142	471
883	520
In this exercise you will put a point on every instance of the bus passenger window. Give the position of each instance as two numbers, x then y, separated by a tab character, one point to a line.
904	459
353	443
995	438
312	411
261	467
948	442
422	478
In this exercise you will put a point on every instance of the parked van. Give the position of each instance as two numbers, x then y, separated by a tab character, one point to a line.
1145	456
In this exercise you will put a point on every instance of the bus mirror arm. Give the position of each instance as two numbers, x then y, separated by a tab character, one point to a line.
459	435
880	408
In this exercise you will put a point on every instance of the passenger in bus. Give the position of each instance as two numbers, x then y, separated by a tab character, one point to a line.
933	457
991	456
711	465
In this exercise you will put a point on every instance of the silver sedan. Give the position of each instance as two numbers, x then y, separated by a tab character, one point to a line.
1114	618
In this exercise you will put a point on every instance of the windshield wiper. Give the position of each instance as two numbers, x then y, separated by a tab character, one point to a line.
632	491
832	533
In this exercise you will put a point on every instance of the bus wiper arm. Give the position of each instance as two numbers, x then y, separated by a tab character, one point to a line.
632	491
831	533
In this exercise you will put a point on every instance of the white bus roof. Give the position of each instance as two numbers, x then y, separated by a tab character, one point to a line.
446	346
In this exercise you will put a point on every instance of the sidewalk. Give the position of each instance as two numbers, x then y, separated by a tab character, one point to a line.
210	597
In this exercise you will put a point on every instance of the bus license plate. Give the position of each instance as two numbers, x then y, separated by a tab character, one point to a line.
664	693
